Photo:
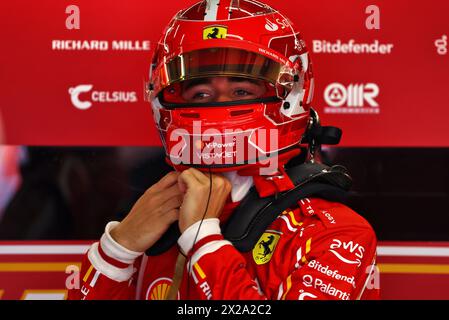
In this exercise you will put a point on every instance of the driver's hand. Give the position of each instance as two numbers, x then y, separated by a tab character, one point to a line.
151	215
196	186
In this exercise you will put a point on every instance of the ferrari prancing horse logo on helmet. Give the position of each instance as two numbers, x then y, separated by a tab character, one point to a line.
215	32
265	247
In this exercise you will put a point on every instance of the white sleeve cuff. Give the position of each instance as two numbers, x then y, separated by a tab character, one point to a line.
108	269
208	227
208	248
115	250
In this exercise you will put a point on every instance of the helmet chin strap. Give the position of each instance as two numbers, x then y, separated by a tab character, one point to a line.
278	181
243	179
240	185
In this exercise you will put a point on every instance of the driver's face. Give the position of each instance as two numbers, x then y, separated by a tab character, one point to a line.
222	89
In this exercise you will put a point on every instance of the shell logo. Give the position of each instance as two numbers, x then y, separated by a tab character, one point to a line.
158	289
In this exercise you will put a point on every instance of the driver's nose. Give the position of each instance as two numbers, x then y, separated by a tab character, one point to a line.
223	98
221	85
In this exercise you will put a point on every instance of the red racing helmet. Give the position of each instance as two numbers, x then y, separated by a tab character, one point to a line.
238	39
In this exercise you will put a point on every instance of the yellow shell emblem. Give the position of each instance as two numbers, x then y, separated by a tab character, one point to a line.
158	290
215	32
265	247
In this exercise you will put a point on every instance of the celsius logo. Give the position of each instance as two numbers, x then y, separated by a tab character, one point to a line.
271	26
98	96
74	96
441	45
354	98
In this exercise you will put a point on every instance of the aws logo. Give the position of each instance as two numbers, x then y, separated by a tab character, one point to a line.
215	32
158	289
353	249
265	247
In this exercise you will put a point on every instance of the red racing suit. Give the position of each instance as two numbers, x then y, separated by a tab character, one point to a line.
316	250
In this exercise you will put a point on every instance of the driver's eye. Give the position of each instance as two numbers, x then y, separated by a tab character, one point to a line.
242	93
201	96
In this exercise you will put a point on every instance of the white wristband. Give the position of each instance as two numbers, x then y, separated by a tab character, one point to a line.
208	227
115	250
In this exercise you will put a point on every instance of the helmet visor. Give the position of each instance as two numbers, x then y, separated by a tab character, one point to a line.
218	62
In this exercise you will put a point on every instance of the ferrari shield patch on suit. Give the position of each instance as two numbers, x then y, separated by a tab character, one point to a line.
265	247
